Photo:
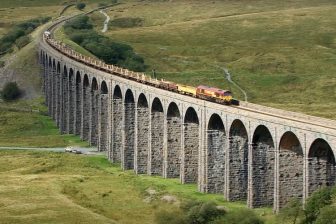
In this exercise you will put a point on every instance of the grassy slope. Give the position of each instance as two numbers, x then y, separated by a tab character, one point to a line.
281	53
64	188
19	126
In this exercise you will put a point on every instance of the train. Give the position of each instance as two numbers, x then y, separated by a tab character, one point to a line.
204	92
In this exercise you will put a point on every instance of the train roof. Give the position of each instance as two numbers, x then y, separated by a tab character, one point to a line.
214	89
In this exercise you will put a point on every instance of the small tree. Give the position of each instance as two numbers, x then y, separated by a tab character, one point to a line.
10	91
316	201
292	211
80	5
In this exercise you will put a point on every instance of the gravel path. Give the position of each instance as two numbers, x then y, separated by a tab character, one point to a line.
107	20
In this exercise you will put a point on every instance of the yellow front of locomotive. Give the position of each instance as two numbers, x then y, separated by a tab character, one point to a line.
227	96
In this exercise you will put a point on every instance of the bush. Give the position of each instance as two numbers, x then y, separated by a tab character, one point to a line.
244	216
80	6
171	217
317	201
5	46
2	64
10	91
292	211
327	215
192	212
22	41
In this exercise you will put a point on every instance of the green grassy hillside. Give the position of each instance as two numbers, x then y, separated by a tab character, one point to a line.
67	188
283	53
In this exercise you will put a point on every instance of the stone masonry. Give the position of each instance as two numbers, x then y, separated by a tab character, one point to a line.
116	130
86	114
78	108
142	140
156	151
104	116
216	161
262	174
127	159
65	102
290	174
190	154
72	104
238	167
94	117
173	147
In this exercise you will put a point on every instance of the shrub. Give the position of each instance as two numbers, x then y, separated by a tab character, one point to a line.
327	215
10	91
80	6
192	212
170	217
317	201
203	213
292	211
22	41
245	216
2	64
5	46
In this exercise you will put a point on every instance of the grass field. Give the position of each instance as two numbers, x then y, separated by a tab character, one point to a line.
25	123
282	53
67	188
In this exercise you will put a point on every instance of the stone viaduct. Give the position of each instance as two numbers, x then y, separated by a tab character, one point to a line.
250	153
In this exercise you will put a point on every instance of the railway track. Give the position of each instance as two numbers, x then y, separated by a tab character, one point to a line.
253	108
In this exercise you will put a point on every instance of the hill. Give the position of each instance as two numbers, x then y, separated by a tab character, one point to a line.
282	53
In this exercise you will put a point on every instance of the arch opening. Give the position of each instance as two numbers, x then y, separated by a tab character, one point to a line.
65	101
78	105
321	165
94	85
142	101
58	67
290	168
191	116
128	152
94	112
104	118
141	162
104	89
191	147
263	156
117	92
58	94
238	162
157	133
129	97
72	101
85	128
117	118
216	154
174	140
